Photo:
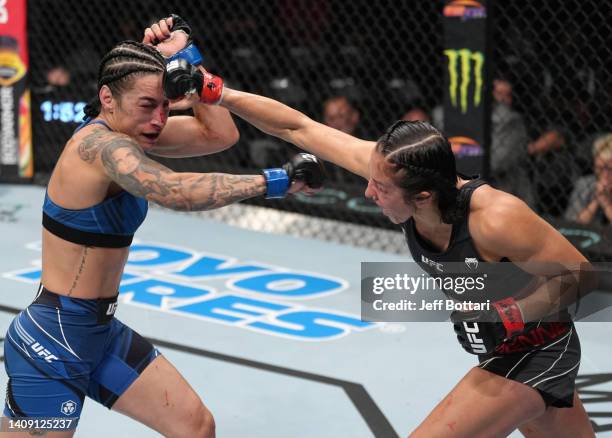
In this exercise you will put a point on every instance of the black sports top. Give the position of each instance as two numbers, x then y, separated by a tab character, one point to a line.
503	279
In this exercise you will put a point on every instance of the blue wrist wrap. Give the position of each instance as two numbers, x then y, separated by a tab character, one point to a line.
277	183
191	54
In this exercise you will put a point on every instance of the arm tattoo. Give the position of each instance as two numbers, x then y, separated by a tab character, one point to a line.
89	147
220	189
127	165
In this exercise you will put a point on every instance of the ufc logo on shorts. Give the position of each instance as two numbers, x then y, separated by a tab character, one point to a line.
43	352
4	16
476	343
111	309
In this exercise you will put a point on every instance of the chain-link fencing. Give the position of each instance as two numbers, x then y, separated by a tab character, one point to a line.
356	65
555	57
359	65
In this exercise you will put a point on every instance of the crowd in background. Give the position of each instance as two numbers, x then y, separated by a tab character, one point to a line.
551	115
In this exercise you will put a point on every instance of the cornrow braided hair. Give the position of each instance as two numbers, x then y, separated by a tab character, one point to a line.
421	171
390	131
118	67
422	160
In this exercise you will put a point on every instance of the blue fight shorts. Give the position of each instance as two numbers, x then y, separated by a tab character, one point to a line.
60	349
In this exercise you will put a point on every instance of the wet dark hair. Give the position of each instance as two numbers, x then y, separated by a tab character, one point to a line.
119	66
421	159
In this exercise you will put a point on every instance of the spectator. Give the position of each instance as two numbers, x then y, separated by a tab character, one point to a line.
341	114
591	199
574	123
553	171
550	140
502	92
416	113
509	140
561	154
58	76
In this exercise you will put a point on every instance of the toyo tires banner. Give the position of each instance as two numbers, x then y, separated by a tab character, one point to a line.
467	92
15	119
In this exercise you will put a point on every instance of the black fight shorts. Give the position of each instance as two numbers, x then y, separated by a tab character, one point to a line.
550	369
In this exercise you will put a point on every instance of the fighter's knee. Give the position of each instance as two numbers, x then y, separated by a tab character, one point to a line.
197	422
206	424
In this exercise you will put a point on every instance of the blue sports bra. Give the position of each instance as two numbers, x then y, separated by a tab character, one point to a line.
110	224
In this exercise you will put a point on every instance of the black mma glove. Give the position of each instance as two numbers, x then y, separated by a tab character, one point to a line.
306	168
481	332
179	24
183	78
302	167
190	53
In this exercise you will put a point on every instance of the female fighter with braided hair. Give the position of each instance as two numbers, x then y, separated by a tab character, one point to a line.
527	345
67	343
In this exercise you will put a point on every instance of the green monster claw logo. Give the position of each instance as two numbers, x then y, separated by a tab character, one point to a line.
460	67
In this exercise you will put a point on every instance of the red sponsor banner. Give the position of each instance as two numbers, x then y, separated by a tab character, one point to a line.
15	118
13	23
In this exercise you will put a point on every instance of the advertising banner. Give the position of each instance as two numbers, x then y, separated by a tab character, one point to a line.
467	91
15	120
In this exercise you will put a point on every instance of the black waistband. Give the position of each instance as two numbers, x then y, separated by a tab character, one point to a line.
104	308
85	237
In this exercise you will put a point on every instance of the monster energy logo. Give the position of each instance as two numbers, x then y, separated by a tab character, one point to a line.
460	73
